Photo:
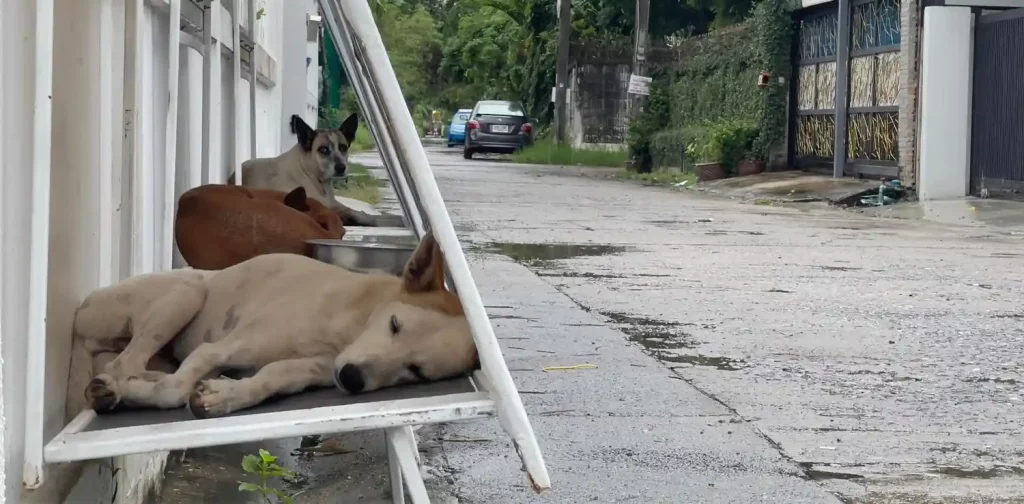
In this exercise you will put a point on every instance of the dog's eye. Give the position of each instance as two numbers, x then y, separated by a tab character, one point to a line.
342	148
395	326
324	150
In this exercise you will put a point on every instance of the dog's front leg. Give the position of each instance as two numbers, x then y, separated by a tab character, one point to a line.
170	391
220	396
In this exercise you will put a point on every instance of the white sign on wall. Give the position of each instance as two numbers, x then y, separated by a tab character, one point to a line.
639	85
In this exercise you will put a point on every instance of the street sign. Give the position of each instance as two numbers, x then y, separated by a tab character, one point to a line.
639	85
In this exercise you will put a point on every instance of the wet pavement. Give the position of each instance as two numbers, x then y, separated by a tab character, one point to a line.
740	352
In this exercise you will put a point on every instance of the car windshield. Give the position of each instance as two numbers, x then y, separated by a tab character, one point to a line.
460	118
501	109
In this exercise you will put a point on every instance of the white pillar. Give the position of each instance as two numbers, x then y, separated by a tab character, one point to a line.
947	56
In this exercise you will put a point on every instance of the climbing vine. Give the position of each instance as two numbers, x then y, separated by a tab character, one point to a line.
773	26
711	86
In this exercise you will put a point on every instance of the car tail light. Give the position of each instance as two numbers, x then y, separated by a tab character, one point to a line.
474	124
527	128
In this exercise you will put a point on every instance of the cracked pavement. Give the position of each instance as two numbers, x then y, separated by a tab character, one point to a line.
743	353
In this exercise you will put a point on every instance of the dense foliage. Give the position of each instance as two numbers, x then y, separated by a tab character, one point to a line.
450	53
708	108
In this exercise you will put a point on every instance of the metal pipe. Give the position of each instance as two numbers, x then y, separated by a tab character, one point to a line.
171	133
511	413
39	245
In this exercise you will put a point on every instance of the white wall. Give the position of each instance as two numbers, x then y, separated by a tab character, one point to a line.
947	49
91	225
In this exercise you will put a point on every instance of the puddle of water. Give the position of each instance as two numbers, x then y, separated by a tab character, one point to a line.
542	252
997	471
660	339
720	363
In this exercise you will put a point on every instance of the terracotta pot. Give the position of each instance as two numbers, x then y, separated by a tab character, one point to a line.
711	171
749	167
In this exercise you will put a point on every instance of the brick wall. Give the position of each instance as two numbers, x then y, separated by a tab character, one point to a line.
910	29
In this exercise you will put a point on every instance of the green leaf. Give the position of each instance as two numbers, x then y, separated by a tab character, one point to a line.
260	14
251	463
248	487
267	457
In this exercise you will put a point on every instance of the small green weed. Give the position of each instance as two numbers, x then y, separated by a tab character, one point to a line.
545	151
266	468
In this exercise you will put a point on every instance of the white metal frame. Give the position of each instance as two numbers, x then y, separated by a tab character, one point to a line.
355	32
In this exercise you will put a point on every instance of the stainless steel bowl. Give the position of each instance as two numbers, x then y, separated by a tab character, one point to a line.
392	235
362	257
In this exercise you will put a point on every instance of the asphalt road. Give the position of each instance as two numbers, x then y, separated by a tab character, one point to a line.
743	353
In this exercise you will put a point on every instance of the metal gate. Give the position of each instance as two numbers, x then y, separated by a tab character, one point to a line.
997	123
868	102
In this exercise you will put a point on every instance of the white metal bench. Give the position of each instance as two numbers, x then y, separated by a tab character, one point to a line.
490	392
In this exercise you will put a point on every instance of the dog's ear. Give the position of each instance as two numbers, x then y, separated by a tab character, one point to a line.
348	128
303	132
297	199
425	270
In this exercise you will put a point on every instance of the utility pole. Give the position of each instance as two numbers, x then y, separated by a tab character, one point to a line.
562	69
640	23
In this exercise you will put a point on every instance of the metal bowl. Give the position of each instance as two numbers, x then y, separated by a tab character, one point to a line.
392	235
362	257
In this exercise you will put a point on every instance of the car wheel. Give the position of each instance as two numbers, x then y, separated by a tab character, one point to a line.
467	154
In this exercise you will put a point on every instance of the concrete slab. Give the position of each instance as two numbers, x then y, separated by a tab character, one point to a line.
976	212
789	186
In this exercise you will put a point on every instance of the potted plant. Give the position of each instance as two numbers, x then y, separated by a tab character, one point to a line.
707	160
750	163
735	140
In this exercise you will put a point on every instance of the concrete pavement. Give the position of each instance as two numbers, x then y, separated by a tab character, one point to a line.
744	353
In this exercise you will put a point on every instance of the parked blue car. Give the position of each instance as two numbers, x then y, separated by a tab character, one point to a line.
457	129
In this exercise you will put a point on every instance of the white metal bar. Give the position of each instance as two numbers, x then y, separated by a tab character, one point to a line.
511	412
211	94
374	119
39	246
171	134
70	446
394	472
236	91
252	88
107	214
400	439
141	247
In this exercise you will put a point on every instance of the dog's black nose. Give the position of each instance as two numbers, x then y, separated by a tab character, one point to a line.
351	378
339	169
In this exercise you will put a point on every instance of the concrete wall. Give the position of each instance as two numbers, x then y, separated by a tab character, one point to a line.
947	48
91	197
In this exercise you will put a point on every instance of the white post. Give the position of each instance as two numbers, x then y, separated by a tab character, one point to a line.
107	268
236	91
171	134
39	245
511	413
211	94
142	248
252	88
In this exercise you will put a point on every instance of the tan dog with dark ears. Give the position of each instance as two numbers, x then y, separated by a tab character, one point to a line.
318	156
293	321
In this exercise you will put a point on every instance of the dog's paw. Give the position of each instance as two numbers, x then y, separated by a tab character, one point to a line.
216	397
102	393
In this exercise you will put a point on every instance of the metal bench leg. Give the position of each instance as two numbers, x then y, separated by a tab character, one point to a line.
394	472
404	469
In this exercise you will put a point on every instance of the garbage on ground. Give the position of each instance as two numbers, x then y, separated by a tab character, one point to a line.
570	368
888	193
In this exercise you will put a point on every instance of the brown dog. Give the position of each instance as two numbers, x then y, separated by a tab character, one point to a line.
218	226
